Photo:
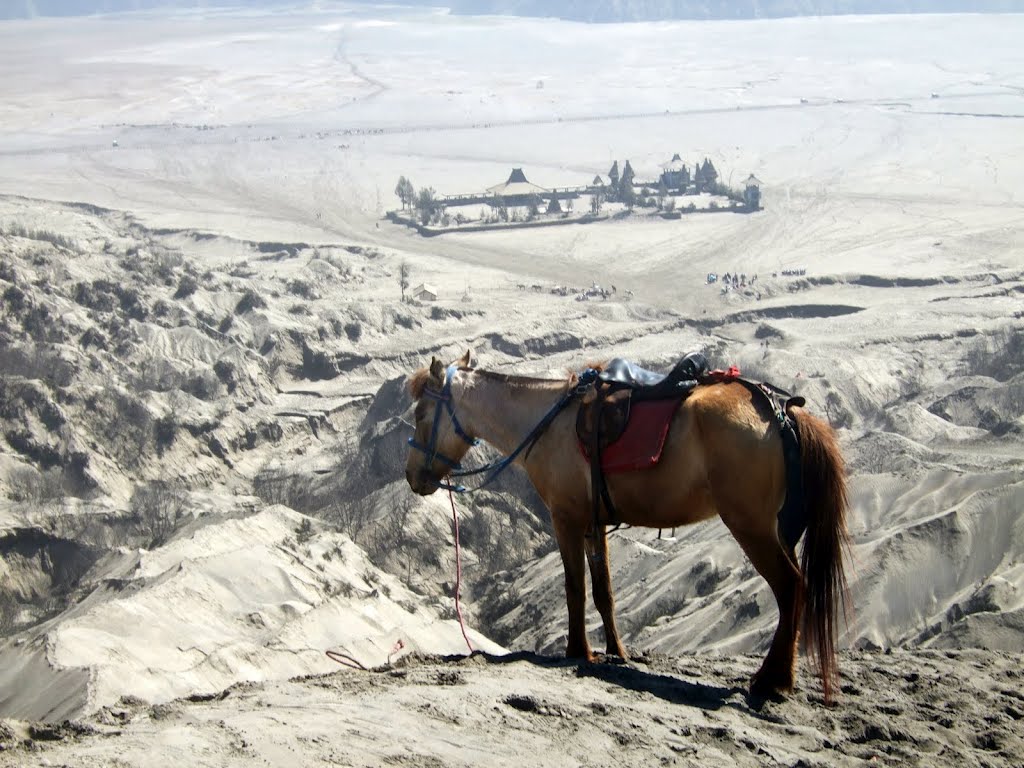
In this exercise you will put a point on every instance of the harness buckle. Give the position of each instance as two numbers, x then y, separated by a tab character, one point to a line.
586	378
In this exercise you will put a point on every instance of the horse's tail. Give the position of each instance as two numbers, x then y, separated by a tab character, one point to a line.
826	500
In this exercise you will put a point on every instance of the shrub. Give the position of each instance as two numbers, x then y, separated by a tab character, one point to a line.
29	485
275	486
227	374
9	610
354	330
250	300
129	429
157	509
156	374
7	271
40	326
165	431
98	295
351	517
14	297
131	303
203	385
186	286
205	318
304	531
93	337
303	288
44	235
34	361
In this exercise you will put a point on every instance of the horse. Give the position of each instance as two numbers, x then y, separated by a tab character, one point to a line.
723	455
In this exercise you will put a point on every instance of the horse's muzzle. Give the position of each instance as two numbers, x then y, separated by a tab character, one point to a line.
420	481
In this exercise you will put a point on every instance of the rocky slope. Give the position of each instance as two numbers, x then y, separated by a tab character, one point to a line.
163	390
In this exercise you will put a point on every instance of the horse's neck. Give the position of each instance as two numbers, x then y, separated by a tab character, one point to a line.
504	412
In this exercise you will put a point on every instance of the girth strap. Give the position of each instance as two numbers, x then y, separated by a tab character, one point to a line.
598	484
792	516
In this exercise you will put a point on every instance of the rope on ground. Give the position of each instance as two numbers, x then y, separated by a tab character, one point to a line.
348	661
458	572
344	658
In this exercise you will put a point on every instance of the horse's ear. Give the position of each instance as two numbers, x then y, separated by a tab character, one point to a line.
465	361
436	369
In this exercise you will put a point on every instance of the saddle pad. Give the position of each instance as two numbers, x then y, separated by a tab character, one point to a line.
643	439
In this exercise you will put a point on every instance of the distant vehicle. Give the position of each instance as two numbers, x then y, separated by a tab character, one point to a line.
803	101
839	101
935	95
113	143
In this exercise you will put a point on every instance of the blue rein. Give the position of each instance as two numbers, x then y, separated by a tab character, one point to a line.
495	468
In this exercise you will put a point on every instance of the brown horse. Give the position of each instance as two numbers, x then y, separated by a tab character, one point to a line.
723	456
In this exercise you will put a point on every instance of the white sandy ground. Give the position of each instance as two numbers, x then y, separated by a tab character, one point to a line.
281	615
319	112
927	708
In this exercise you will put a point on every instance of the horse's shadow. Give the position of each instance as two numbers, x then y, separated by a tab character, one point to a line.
628	676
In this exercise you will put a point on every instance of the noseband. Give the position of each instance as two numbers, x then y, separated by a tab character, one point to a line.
444	396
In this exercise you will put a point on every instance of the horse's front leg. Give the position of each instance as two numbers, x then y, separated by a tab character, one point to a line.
570	546
604	599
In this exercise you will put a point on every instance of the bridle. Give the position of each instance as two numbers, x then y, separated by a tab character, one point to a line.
430	449
585	379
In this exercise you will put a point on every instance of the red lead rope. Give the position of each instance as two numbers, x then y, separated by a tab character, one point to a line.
458	572
349	661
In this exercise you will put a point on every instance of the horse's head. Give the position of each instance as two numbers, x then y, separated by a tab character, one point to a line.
439	442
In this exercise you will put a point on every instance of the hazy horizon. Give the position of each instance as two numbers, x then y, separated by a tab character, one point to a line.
580	10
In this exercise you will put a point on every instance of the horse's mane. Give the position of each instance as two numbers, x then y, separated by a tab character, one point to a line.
509	378
418	382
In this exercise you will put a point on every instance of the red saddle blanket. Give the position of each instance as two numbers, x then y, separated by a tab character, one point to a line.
642	441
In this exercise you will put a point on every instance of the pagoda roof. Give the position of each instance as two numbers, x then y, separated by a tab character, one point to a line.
516	185
674	165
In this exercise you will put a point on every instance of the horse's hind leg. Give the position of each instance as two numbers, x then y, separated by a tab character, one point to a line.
570	546
601	578
778	671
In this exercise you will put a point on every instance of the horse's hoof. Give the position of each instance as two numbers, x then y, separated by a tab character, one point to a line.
763	687
620	652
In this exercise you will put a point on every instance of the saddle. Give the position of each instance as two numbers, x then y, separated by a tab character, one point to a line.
606	407
624	417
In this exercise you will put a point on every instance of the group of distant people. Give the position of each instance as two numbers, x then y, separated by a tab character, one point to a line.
738	280
734	281
595	291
